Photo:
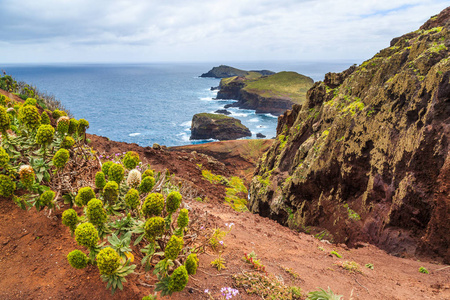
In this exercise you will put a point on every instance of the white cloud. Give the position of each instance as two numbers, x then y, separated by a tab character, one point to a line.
141	30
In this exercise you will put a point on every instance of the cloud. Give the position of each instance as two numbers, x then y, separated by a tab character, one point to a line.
142	30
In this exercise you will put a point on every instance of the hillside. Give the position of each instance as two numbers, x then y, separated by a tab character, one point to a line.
267	94
365	158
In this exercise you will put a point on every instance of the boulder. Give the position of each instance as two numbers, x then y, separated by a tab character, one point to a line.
223	112
217	126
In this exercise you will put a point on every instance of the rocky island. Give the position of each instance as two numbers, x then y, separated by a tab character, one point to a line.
223	71
217	126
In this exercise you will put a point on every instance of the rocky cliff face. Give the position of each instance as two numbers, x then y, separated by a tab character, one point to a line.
366	157
217	126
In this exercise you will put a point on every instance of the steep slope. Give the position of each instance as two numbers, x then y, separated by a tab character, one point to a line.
365	158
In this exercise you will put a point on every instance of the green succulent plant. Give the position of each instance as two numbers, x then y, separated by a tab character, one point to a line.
86	235
154	227
45	134
132	198
77	259
116	173
131	160
173	247
73	126
84	195
183	218
7	186
134	178
45	120
56	114
70	219
173	201
100	180
191	264
106	166
108	261
111	192
26	175
178	279
4	120
29	116
67	142
62	125
46	198
83	125
30	101
146	185
148	172
153	205
60	158
4	157
95	212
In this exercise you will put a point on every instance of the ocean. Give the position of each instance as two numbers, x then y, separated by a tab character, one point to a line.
154	102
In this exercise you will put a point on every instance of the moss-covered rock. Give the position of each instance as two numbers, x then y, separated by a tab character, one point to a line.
217	126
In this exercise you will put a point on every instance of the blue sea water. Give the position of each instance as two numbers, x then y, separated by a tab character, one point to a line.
150	103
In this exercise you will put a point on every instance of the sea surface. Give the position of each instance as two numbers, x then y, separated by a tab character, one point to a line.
151	103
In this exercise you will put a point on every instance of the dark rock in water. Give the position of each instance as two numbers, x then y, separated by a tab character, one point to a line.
366	157
214	88
223	112
217	126
260	135
228	105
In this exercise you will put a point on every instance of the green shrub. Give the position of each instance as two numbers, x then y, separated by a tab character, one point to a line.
173	247
44	135
191	264
83	125
116	173
100	180
423	270
4	157
30	101
70	219
60	158
106	166
153	205
77	259
183	218
134	178
29	116
26	175
148	172
147	184
95	212
132	198
73	126
86	235
323	295
45	120
108	261
67	142
46	198
7	186
173	202
84	195
111	192
56	114
4	120
154	227
131	160
62	125
178	279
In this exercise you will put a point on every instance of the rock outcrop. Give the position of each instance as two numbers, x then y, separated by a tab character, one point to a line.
366	157
226	71
217	126
272	94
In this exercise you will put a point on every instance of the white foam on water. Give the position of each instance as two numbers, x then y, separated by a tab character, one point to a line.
261	126
270	115
184	137
186	124
254	120
206	98
239	114
134	134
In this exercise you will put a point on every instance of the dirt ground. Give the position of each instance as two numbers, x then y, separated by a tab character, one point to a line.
33	246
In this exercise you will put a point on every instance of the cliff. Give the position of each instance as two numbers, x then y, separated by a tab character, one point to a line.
365	158
268	94
226	71
217	126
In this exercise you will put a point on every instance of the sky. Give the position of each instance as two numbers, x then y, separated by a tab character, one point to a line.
120	31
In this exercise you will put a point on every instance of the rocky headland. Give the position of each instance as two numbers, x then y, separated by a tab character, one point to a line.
366	157
217	126
266	94
223	71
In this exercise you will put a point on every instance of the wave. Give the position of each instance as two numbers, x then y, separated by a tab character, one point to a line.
234	114
254	120
134	134
184	137
206	98
186	124
270	115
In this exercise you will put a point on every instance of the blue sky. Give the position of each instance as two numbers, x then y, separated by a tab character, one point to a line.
213	30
